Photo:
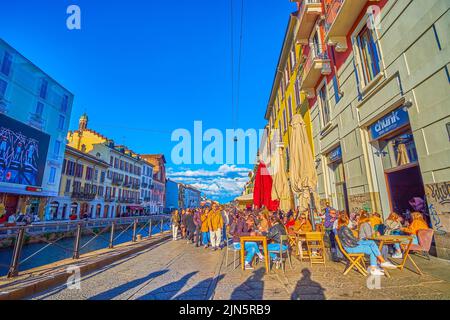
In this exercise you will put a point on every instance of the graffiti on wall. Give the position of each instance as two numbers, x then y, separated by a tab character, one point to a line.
360	202
438	197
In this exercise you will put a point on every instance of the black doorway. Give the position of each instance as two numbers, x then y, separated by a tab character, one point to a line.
404	185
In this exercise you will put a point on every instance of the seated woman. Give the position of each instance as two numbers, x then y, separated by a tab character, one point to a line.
376	221
290	221
417	223
244	227
303	223
392	226
365	229
263	225
369	247
274	237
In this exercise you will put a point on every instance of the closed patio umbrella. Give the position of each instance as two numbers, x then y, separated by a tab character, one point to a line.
280	187
302	171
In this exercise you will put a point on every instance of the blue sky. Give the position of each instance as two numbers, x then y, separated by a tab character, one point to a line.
142	69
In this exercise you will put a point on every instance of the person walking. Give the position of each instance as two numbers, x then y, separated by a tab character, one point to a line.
183	224
215	224
175	219
190	226
226	222
198	227
205	228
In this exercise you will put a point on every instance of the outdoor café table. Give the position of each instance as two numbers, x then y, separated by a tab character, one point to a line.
392	239
255	239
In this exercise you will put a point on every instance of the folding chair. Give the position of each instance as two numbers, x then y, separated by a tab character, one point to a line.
355	259
316	247
284	240
230	247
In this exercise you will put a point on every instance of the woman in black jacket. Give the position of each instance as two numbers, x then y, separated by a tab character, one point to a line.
352	244
274	234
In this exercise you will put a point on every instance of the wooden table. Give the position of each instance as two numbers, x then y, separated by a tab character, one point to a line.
392	239
262	239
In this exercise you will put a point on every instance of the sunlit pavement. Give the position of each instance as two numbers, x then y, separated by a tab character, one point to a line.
176	270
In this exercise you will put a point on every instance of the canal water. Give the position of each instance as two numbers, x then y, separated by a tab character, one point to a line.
64	249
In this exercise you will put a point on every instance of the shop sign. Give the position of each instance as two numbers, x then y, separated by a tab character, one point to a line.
335	155
394	120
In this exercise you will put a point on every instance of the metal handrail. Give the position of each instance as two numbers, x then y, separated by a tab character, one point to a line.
80	225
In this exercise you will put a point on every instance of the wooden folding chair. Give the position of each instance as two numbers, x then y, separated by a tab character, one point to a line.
355	259
316	247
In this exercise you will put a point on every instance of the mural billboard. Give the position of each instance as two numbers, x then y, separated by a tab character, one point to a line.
23	153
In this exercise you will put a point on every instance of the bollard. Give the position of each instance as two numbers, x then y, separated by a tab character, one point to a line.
134	231
111	237
150	229
162	224
14	268
76	248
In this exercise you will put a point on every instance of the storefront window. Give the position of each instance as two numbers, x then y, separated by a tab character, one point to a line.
398	151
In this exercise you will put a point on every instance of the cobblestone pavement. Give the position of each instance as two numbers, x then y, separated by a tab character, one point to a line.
176	270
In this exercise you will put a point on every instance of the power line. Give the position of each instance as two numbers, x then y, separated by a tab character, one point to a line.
241	36
232	60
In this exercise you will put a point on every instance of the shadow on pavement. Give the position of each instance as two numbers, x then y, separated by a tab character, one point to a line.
252	288
117	291
168	291
307	289
201	291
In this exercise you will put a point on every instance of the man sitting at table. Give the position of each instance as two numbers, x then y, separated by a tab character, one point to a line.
245	227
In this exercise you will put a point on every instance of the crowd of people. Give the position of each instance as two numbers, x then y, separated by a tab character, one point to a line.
217	226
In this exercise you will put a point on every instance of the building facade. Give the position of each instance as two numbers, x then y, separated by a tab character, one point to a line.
377	81
146	187
172	199
34	118
123	179
82	188
159	180
181	196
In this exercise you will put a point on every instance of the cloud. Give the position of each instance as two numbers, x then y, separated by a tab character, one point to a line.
226	181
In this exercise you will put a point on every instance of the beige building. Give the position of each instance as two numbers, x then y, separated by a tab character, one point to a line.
381	119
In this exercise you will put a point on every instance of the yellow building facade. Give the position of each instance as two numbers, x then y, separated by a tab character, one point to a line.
286	98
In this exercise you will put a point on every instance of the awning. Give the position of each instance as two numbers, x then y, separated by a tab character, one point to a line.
245	198
135	207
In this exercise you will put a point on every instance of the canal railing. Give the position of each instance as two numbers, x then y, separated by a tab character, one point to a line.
94	229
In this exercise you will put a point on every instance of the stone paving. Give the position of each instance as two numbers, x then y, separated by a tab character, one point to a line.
176	270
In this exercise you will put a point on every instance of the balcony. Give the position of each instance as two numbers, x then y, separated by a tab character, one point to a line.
117	182
341	15
317	65
83	196
308	13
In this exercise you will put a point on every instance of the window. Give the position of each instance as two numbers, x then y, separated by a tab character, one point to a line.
68	183
43	90
297	93
61	122
368	54
64	103
57	147
39	108
290	107
337	95
324	106
3	85
6	64
52	176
